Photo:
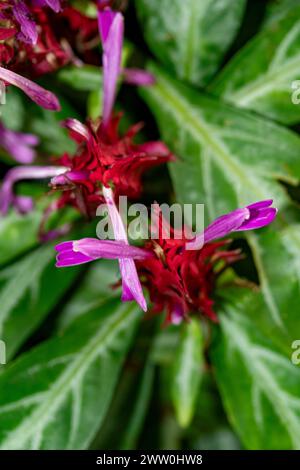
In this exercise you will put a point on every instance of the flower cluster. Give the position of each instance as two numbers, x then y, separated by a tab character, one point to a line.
104	158
179	274
36	40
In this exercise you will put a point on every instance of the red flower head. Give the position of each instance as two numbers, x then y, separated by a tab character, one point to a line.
182	281
36	40
104	157
180	273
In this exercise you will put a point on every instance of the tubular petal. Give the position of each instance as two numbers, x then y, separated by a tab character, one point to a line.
131	285
39	95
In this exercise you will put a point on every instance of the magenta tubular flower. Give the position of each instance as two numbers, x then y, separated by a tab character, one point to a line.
131	286
251	217
85	250
18	173
68	177
28	27
76	126
138	77
88	249
71	253
23	204
18	145
76	252
55	5
111	27
39	95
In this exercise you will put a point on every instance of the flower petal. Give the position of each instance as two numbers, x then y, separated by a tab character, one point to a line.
138	77
20	173
251	217
111	249
219	228
261	204
260	215
23	204
177	315
89	249
76	126
22	15
131	285
18	145
68	178
39	95
53	4
111	27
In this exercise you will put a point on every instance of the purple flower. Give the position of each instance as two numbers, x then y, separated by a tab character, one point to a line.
22	15
88	249
251	217
23	204
18	145
28	28
76	252
131	286
18	173
76	126
53	4
177	315
138	77
111	27
85	250
68	177
72	253
39	95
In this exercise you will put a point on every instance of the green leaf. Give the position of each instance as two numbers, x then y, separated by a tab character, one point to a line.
136	421
277	258
275	10
29	289
47	125
123	423
187	372
56	396
190	37
95	289
210	428
263	75
258	382
94	104
18	233
13	111
226	157
85	78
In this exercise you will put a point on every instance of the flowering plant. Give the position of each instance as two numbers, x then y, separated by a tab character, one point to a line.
198	323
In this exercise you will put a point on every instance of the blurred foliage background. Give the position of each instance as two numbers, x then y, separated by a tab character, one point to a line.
86	371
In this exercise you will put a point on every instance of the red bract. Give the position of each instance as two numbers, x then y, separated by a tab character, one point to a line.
104	157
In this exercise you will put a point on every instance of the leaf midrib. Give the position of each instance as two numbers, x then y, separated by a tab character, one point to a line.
63	385
199	127
265	379
265	83
191	43
23	280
